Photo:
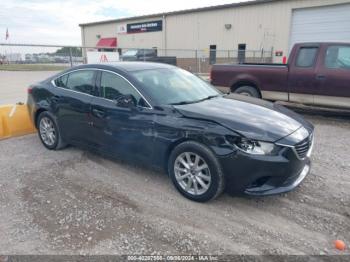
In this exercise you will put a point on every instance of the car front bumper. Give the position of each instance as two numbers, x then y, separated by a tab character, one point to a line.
264	175
288	185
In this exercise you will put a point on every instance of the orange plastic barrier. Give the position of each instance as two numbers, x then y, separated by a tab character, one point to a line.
15	121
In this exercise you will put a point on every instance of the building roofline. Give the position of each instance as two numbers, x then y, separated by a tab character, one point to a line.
186	11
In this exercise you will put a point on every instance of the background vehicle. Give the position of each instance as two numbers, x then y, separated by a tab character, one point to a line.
316	74
166	117
149	55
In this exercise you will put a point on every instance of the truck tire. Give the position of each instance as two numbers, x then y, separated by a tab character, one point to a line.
247	91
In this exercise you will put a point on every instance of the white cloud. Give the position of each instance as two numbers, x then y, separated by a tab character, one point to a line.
56	22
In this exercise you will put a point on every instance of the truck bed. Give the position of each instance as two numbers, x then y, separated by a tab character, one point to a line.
254	64
269	77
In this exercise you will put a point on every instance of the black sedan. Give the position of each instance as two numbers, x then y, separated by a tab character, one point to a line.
166	117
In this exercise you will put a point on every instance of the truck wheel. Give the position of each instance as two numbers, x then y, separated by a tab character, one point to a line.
248	91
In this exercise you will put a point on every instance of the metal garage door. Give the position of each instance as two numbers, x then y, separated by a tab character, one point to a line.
330	23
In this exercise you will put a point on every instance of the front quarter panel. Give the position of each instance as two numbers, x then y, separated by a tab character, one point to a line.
172	129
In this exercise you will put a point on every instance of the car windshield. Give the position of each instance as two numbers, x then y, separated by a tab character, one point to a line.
175	86
130	53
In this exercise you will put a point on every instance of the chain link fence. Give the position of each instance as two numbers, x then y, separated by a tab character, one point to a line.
56	57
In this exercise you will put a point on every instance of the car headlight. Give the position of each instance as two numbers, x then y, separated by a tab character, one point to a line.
255	147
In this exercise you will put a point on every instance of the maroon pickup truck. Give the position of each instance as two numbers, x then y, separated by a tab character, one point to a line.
316	74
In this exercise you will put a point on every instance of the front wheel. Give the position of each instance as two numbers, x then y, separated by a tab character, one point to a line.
196	172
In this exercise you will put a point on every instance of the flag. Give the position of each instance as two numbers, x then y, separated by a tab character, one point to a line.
7	34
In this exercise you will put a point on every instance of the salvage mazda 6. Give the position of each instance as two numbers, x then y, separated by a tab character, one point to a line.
166	117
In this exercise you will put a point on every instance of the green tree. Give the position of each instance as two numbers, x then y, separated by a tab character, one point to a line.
76	51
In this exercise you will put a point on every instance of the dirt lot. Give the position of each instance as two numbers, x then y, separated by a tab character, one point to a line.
76	202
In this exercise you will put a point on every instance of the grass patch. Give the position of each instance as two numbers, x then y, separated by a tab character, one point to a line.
32	67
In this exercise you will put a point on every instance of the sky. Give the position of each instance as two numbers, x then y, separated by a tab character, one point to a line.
57	22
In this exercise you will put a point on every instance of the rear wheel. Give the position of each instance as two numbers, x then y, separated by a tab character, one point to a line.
248	91
196	172
48	132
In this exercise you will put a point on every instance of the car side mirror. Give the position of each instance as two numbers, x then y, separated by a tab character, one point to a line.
126	101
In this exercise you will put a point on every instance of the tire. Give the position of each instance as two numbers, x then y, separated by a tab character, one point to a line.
248	91
47	125
212	176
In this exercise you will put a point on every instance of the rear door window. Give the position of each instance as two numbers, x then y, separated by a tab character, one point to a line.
81	81
338	57
61	81
306	57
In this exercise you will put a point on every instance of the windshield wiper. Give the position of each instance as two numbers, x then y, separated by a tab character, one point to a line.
209	97
182	103
194	101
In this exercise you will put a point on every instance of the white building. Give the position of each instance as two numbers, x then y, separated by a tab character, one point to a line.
253	25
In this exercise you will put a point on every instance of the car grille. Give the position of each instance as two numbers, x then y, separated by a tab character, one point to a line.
303	147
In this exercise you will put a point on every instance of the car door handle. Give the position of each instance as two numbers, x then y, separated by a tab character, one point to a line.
98	113
321	77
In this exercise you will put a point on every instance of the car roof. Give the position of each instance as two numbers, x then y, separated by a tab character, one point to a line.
130	66
323	43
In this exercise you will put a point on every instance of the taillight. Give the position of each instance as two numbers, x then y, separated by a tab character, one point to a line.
284	60
211	75
30	90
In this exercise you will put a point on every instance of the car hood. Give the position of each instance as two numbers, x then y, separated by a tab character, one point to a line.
250	117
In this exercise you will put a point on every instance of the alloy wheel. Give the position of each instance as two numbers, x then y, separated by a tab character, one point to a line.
192	173
47	131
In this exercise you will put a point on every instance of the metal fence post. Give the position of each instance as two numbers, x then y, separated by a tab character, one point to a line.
196	58
70	57
271	55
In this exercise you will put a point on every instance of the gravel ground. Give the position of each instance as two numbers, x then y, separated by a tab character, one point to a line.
77	202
